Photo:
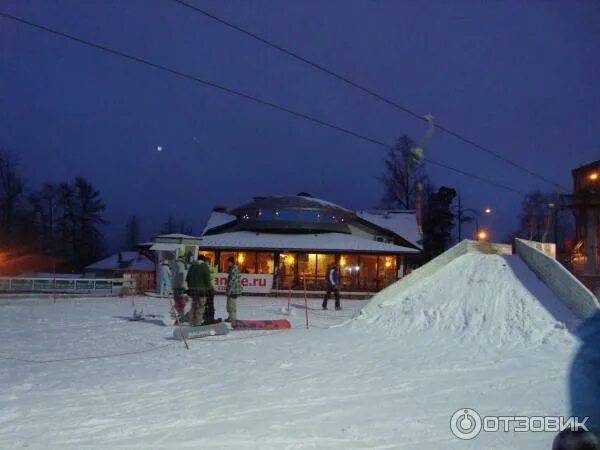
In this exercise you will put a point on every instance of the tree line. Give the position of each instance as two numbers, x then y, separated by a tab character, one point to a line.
57	219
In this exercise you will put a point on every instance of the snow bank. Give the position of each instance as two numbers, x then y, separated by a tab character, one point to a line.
488	298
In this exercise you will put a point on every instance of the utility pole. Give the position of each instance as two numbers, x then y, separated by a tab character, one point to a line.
459	219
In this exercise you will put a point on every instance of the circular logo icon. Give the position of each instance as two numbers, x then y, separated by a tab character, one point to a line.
465	424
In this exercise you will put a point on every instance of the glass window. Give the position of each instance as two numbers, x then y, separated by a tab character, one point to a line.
307	268
209	255
246	261
367	275
287	270
308	216
387	271
324	262
265	214
265	262
287	215
349	270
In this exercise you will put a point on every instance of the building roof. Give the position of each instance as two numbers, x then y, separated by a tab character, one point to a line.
217	219
401	223
303	201
176	236
130	260
318	242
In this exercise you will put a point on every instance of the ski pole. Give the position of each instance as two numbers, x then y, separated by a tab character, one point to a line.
305	304
54	283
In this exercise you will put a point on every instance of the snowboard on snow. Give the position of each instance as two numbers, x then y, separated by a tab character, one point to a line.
190	332
278	324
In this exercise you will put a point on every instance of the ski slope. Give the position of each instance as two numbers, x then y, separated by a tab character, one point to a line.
474	335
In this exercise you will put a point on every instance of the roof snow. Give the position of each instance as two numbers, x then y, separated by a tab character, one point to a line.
130	260
321	242
218	219
401	223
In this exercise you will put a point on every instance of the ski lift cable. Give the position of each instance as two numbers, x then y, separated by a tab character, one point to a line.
369	92
240	94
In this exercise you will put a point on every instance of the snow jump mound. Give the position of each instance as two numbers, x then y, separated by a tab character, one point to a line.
492	299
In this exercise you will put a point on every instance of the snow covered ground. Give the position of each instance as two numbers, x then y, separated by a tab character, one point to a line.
475	335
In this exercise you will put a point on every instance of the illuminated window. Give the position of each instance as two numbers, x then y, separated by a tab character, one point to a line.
265	262
287	270
246	261
209	255
387	273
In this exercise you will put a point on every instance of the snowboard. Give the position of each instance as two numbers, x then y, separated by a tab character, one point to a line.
190	332
278	324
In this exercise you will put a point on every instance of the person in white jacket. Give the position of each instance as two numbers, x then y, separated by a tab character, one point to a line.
165	279
178	284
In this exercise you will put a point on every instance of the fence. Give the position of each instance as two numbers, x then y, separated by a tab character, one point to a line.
60	285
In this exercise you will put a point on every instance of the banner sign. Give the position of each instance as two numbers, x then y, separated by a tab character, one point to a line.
251	283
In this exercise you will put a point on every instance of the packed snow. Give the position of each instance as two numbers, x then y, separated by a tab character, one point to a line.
481	333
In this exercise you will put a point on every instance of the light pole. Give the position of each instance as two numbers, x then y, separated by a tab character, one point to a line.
462	217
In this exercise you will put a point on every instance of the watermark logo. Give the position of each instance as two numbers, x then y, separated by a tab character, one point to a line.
467	424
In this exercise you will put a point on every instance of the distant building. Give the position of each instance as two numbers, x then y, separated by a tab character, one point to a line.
295	239
585	204
128	265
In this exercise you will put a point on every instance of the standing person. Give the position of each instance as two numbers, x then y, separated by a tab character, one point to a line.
165	278
199	282
178	284
584	380
233	289
333	285
209	312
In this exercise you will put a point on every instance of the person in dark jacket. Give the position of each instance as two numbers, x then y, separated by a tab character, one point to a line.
199	282
233	290
584	380
333	285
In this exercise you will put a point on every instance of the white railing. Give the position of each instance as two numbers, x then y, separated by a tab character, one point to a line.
68	285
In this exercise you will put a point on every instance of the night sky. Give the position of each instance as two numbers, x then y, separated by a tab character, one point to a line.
520	77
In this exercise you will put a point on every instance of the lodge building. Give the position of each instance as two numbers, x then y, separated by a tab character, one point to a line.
296	238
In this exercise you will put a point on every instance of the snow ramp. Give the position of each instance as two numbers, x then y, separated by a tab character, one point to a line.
471	294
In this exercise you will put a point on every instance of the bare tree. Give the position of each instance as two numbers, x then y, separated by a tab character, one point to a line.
11	191
542	220
402	176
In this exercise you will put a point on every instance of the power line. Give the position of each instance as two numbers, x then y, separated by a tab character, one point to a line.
367	91
239	94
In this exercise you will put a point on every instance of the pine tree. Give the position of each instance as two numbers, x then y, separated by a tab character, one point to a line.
169	226
438	222
132	233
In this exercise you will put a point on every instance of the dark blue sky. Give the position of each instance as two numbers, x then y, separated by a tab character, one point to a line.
520	77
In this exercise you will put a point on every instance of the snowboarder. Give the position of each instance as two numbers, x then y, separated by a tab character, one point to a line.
165	278
209	312
178	284
233	290
199	281
333	286
584	380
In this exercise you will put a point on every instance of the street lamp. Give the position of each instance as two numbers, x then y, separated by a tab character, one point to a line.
594	176
482	235
462	217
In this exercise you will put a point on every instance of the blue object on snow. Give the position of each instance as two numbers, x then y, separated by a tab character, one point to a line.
584	382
